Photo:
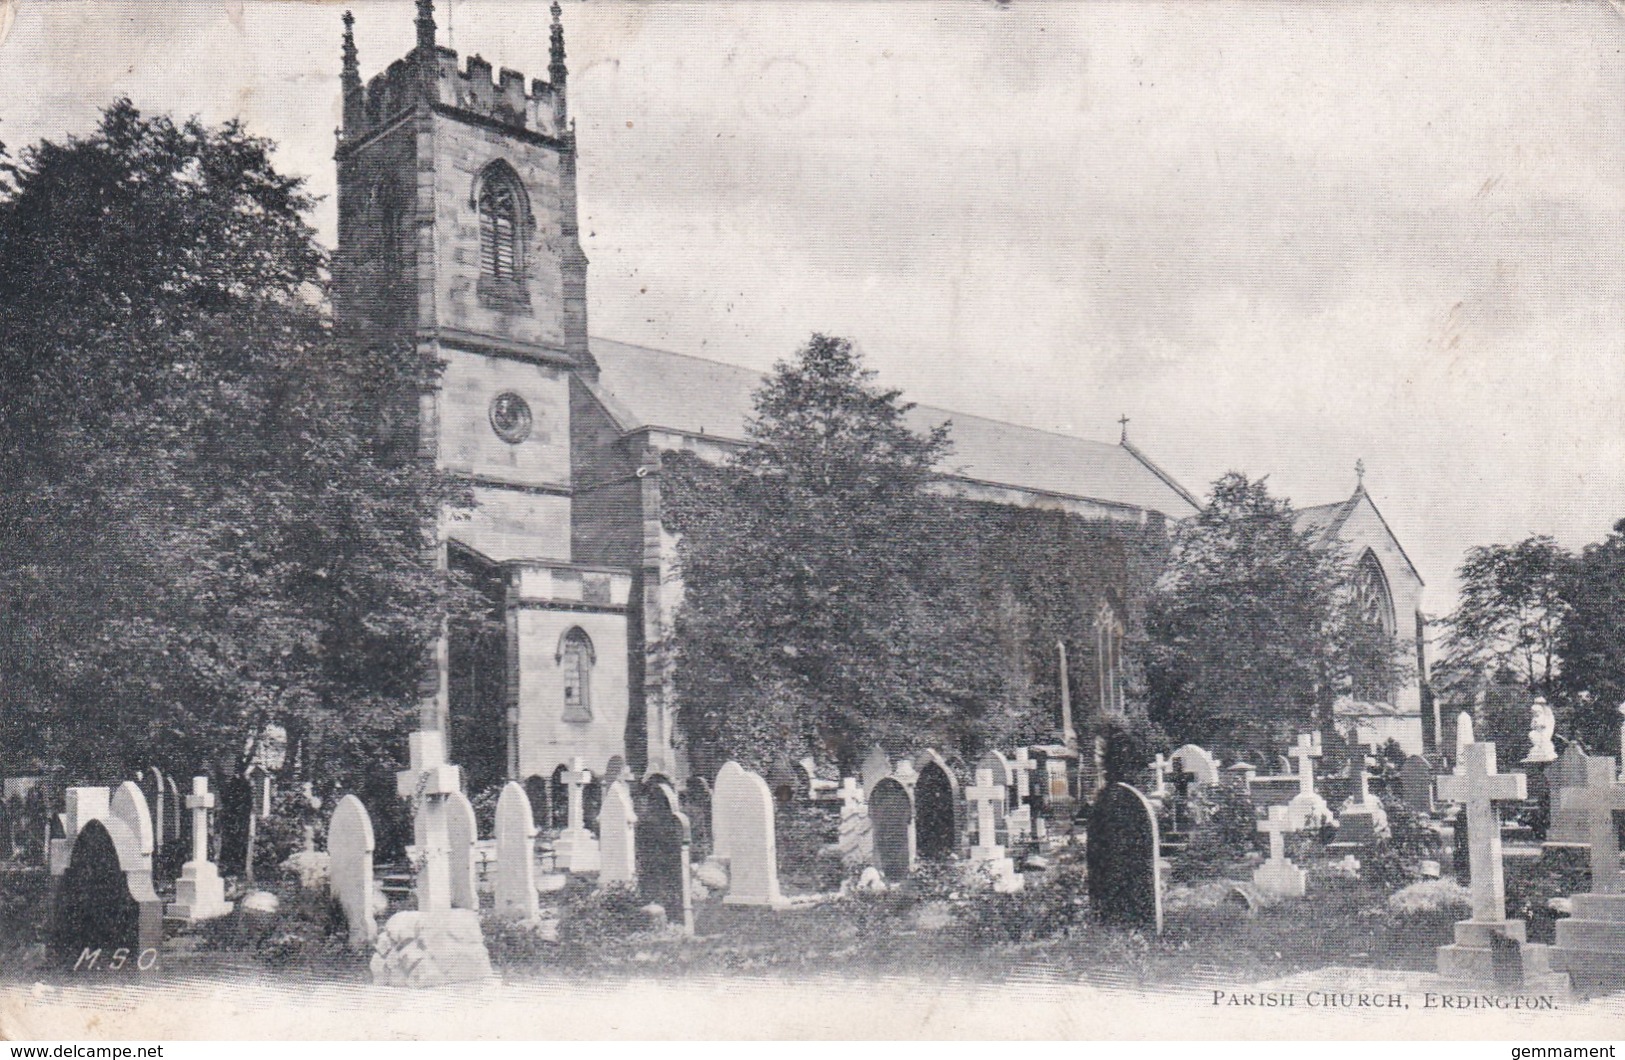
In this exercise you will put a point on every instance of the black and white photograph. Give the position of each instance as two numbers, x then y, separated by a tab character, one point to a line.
812	519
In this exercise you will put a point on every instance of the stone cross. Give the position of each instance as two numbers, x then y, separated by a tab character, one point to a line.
1024	765
851	793
1278	875
1357	761
1160	767
1600	798
986	796
200	802
429	782
1277	826
1478	787
200	894
1306	752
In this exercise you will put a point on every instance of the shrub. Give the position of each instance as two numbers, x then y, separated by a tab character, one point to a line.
1429	896
485	809
592	916
514	942
308	928
1532	883
24	906
802	833
1055	906
1230	833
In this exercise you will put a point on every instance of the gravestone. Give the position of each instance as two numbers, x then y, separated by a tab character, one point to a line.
462	832
1197	762
937	820
516	853
696	806
1125	887
784	780
129	822
349	859
1362	818
1278	876
576	850
103	918
891	816
731	773
200	894
1307	808
617	826
163	818
1464	739
743	812
81	806
987	796
437	943
1591	942
876	767
1568	827
661	849
1416	784
1474	955
856	834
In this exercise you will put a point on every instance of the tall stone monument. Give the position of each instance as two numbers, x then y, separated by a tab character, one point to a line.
200	894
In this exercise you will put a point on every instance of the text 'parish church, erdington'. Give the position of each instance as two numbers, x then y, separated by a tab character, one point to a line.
458	229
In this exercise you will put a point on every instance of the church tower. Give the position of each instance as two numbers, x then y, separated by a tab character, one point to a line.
458	235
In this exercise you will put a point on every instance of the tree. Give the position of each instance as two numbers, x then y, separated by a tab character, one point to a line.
1591	642
1254	630
822	610
1506	621
207	530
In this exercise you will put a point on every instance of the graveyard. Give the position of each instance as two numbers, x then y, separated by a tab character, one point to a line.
1123	872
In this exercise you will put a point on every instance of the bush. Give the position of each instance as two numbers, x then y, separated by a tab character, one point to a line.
1532	883
514	942
25	899
485	810
1396	861
307	929
592	916
1230	834
1055	907
802	833
1430	896
280	836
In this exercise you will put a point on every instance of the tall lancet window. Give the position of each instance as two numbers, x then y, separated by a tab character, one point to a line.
576	659
499	228
1109	657
1373	664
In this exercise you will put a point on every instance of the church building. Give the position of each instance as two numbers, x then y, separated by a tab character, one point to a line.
458	232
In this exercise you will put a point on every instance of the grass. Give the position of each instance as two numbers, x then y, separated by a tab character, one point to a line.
933	926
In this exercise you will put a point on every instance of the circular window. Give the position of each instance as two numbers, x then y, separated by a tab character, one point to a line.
510	417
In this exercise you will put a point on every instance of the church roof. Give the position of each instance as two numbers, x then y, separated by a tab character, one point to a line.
646	389
1324	522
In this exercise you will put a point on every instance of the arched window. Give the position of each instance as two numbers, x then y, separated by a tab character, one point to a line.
502	216
576	659
1372	670
1109	657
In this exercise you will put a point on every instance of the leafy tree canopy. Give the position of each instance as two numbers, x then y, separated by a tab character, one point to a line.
1506	622
1254	631
1591	642
822	612
204	533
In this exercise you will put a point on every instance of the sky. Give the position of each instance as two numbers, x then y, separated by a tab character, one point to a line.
1278	237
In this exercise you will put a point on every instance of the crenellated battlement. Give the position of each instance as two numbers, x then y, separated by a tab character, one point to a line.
431	74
